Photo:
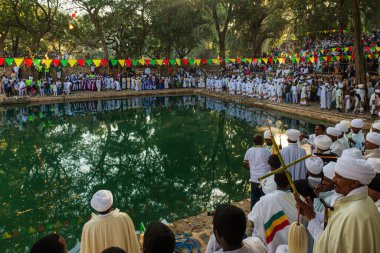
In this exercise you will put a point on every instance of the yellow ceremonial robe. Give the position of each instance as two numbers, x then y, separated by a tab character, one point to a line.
113	230
354	227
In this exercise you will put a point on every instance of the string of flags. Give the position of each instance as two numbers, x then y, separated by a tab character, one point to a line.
329	31
344	53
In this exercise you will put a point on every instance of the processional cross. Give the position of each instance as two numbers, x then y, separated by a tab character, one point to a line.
284	167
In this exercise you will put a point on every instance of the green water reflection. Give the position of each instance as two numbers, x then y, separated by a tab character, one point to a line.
164	158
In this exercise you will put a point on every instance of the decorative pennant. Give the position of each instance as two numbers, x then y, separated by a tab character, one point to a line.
166	61
192	61
172	61
28	62
232	60
18	61
2	60
56	62
72	62
249	60
204	61
185	61
37	62
128	63
96	62
81	62
159	62
9	61
135	62
209	61
104	62
265	60
47	62
141	61
114	62
198	61
147	62
153	62
121	62
215	61
88	62
178	61
64	62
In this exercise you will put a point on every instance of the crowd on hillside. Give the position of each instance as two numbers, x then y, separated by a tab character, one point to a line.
338	197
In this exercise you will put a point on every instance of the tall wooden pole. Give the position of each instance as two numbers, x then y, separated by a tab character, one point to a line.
360	64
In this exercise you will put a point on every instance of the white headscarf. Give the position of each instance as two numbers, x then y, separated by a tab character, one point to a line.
353	153
323	142
357	123
341	127
373	138
293	134
355	169
102	200
329	170
314	165
267	134
333	131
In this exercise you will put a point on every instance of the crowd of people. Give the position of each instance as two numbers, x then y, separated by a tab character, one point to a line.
338	198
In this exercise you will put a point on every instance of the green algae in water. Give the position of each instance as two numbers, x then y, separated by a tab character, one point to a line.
163	158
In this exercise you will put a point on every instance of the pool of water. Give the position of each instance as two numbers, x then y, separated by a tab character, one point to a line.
163	158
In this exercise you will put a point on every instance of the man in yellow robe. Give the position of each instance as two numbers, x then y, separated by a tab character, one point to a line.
109	228
354	225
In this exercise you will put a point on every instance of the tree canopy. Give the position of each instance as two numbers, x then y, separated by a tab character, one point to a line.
168	28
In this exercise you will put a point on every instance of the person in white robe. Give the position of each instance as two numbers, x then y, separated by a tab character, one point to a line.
108	228
372	145
304	96
323	97
356	137
374	186
341	138
336	146
293	152
273	214
294	91
354	225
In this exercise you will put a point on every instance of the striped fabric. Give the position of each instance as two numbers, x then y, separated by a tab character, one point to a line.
276	223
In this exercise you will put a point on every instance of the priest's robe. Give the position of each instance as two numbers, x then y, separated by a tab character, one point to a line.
354	227
115	229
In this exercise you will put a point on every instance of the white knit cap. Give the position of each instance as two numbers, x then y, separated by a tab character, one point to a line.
323	142
329	170
341	127
346	123
293	134
373	138
267	134
314	165
353	153
357	123
375	163
102	200
355	169
333	131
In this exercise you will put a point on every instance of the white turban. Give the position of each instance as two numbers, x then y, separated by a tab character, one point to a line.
357	123
323	142
267	134
329	170
373	138
353	153
355	169
375	163
314	165
376	125
333	131
102	200
341	127
293	134
346	123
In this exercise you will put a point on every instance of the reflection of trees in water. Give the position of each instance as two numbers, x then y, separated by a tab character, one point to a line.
163	158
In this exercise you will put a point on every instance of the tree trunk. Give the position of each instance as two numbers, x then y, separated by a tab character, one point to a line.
222	48
360	64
